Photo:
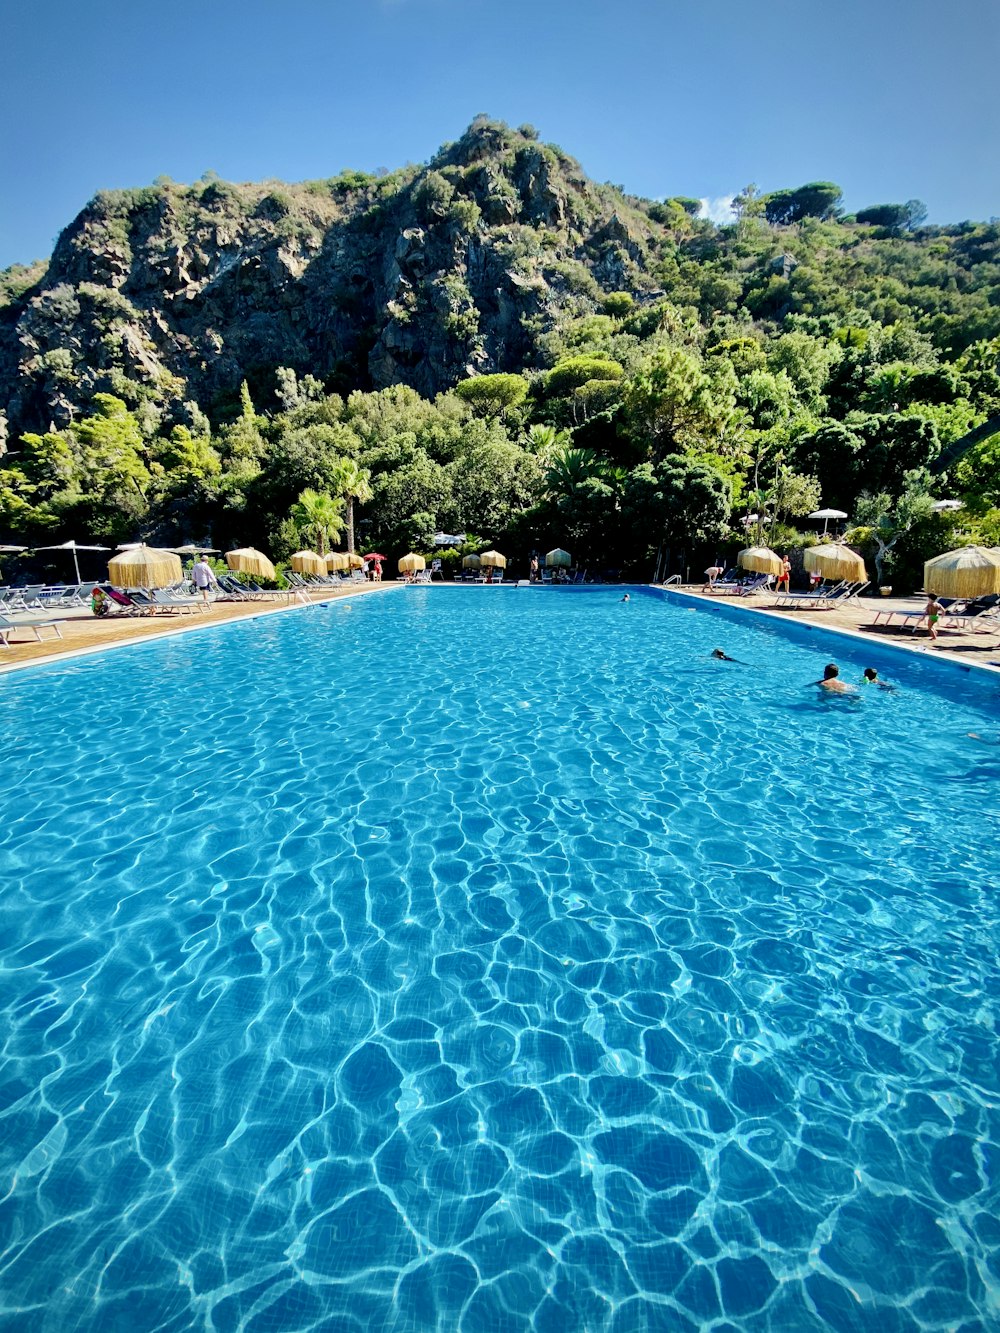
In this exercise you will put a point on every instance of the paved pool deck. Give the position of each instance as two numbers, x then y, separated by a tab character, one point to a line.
977	646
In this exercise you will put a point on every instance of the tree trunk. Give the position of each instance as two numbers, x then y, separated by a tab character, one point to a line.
350	524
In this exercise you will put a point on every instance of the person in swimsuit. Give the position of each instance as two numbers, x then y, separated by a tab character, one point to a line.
933	611
830	681
785	575
871	678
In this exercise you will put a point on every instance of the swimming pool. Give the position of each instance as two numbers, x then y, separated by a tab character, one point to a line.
496	960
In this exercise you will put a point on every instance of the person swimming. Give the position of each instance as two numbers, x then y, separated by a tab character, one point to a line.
871	678
720	656
626	598
831	682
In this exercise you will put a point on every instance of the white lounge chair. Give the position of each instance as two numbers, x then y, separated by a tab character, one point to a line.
35	627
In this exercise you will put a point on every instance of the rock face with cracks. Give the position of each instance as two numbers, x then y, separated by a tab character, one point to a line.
420	277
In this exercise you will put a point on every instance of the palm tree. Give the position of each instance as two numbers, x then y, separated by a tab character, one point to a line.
320	514
353	483
567	468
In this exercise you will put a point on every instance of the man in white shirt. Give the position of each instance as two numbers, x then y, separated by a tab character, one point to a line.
203	578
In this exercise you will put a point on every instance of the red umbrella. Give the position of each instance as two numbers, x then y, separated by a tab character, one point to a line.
374	555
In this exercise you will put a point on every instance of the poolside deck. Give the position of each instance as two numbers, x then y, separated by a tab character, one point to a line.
82	632
979	646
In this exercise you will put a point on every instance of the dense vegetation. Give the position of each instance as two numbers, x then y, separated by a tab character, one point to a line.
495	345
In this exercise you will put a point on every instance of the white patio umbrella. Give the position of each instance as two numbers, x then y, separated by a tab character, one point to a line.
192	549
939	506
826	515
74	547
13	550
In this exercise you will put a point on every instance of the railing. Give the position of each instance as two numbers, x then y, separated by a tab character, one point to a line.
674	578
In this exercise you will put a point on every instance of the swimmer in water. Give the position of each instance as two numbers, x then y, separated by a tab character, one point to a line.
871	678
831	683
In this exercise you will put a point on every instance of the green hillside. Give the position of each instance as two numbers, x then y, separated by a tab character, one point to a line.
494	344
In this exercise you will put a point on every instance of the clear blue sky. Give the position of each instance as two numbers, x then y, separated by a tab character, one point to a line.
893	99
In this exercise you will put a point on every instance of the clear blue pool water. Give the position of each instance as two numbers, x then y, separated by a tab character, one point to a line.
494	960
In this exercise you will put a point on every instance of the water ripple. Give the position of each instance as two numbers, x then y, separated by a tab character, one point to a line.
495	962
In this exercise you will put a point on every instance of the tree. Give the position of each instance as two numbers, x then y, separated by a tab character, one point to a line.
793	494
575	371
895	218
674	502
818	199
890	518
493	395
354	484
672	403
321	515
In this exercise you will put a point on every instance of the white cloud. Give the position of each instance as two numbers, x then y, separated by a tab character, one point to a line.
718	210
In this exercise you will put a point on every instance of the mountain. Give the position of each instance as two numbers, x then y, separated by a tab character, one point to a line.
428	275
421	277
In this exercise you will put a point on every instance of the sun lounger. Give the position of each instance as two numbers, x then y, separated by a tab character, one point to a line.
169	600
816	601
122	602
954	607
761	583
27	598
8	626
64	595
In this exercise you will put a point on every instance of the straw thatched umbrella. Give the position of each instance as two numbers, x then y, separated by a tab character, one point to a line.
337	560
470	561
971	571
307	562
834	561
761	559
409	564
493	560
145	567
558	559
247	560
354	561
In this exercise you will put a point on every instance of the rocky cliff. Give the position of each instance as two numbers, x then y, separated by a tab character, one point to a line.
175	293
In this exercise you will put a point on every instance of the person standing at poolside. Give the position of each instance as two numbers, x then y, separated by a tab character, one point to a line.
203	578
933	611
785	575
533	570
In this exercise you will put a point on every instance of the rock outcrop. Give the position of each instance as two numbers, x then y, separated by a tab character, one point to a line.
422	277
